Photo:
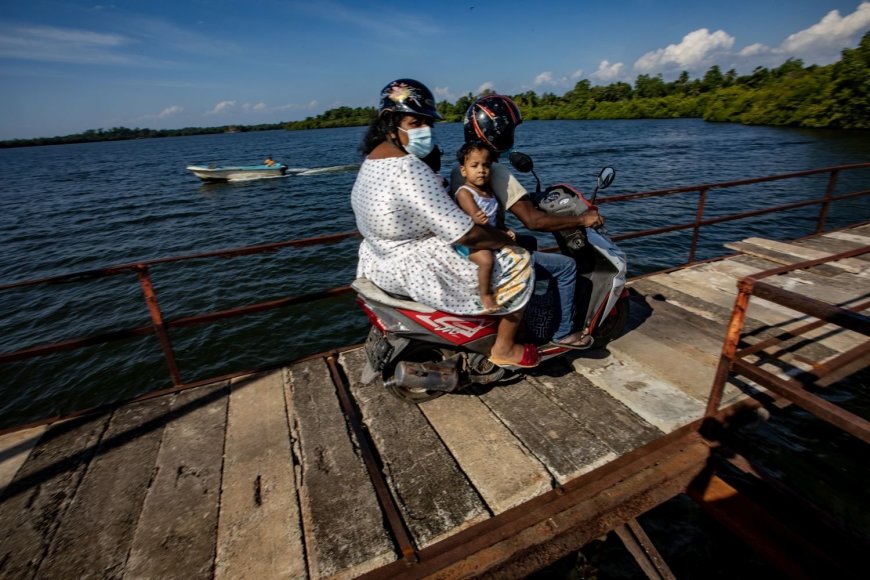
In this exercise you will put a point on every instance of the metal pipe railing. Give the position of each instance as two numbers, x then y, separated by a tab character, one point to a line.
160	327
733	360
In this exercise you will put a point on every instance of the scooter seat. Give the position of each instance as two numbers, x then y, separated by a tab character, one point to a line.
368	290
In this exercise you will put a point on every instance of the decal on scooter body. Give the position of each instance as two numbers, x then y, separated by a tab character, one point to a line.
456	329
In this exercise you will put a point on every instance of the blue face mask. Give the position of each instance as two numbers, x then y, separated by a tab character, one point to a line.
420	141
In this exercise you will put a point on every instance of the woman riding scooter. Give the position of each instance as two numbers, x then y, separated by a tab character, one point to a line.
409	224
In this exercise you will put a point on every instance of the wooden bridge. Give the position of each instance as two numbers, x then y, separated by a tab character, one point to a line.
305	472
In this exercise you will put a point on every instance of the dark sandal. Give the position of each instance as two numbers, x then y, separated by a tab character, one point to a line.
581	344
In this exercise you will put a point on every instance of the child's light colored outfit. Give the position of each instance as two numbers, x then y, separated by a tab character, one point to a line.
488	205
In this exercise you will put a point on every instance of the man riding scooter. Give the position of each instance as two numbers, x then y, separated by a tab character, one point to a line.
492	119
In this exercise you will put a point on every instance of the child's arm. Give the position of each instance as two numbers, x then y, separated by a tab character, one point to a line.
469	206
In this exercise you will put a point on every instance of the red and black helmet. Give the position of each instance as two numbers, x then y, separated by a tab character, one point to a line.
408	96
492	119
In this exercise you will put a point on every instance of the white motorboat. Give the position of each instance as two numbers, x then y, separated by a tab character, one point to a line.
238	173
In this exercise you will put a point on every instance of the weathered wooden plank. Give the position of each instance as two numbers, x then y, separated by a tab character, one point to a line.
620	428
837	245
753	330
721	288
498	465
342	521
178	524
681	354
792	254
259	527
15	448
841	289
94	538
433	494
659	403
852	236
565	446
34	503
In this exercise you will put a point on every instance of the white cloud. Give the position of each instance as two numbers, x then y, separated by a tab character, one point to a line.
577	74
545	78
294	106
258	108
829	36
221	107
697	51
608	73
48	43
754	50
442	94
169	111
820	44
487	86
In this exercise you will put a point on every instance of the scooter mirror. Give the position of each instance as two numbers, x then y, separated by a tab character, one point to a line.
521	162
606	177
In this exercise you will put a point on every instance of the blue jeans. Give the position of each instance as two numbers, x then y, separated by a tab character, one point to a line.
564	270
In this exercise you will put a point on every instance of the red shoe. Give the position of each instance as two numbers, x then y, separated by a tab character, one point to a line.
529	360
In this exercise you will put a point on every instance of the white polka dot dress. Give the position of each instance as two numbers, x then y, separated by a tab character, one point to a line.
409	223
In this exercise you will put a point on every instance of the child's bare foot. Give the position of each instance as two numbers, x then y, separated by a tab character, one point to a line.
489	304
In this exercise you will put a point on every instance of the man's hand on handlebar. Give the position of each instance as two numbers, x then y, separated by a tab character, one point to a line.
592	219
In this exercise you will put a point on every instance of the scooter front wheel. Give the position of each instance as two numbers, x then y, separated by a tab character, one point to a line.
613	326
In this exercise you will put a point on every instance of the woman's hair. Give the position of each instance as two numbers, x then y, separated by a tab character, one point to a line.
470	146
379	131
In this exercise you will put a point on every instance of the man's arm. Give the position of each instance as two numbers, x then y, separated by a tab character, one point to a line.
537	220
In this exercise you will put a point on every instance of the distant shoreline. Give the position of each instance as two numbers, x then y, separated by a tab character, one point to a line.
125	134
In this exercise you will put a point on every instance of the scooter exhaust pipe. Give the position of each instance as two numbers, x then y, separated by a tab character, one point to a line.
427	376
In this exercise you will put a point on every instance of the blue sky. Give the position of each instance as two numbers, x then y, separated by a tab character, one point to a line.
68	66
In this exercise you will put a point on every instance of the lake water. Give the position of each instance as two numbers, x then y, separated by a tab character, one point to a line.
77	207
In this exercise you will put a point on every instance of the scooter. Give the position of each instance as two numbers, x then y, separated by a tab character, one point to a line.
422	353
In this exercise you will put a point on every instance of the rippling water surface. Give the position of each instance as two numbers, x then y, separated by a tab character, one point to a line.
77	207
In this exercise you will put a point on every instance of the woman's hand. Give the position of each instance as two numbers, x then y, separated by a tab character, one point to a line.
512	234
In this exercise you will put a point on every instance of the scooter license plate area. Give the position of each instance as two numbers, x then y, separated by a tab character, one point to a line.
378	349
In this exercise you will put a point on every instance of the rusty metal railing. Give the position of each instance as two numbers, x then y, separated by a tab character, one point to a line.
703	192
734	359
160	326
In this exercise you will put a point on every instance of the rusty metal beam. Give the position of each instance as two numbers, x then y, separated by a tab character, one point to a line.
367	449
794	555
794	391
854	321
643	551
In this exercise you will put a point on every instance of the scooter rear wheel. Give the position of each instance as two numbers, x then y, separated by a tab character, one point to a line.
416	353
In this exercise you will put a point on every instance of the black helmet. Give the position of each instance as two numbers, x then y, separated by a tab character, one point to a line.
492	119
408	96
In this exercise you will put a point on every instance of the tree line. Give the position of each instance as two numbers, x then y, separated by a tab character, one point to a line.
833	96
124	133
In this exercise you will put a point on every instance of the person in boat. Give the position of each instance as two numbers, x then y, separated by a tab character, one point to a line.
493	120
409	224
475	197
269	162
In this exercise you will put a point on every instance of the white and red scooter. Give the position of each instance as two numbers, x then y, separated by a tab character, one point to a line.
422	353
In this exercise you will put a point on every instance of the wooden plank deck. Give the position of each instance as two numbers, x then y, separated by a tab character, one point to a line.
264	476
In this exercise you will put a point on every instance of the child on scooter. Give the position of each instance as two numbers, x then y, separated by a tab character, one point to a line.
477	200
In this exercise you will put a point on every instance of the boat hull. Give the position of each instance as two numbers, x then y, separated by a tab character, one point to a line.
239	173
